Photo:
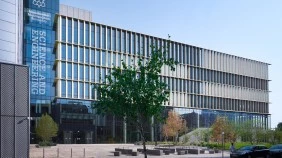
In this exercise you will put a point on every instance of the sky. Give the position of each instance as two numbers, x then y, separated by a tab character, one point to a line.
246	28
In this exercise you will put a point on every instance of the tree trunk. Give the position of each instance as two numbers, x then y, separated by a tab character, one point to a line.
143	141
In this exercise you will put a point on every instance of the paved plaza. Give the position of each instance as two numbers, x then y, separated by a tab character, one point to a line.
102	151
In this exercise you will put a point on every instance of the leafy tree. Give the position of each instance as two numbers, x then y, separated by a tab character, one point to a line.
220	125
244	131
135	92
46	128
206	134
174	125
278	133
279	126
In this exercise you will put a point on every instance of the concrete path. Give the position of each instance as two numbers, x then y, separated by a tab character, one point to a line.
102	151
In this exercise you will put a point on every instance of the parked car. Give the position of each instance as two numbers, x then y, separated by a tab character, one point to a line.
275	151
252	151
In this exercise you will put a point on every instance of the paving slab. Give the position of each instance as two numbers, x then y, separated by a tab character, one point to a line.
103	151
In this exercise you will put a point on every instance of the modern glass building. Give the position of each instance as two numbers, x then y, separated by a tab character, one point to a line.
11	31
67	53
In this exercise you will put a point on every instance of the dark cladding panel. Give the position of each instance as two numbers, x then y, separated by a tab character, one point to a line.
7	90
22	90
22	129
14	103
7	136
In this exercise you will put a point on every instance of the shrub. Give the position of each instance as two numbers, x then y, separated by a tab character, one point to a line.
46	143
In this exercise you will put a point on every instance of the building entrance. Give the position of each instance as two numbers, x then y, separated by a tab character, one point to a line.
78	137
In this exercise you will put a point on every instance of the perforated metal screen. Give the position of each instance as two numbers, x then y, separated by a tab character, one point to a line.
14	103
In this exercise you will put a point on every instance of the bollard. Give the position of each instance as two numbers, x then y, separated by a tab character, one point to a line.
58	154
84	153
43	152
71	152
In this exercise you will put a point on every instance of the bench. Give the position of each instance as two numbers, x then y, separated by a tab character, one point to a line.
134	153
181	152
154	152
167	152
193	151
202	151
116	153
211	151
126	151
118	149
171	150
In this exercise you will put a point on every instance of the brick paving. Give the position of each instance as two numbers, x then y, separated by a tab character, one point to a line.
102	151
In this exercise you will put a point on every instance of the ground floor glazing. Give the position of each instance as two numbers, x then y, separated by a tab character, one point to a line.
79	123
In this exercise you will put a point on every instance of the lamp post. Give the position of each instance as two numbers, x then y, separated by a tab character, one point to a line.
222	134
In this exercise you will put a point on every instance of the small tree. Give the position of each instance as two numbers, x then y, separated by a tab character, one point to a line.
278	133
46	128
279	126
174	125
220	125
245	131
135	92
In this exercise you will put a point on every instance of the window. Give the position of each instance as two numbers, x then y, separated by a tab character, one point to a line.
75	54
81	72
104	37
114	40
123	44
148	46
63	70
69	89
75	31
63	52
63	88
81	90
92	56
142	50
103	75
138	45
128	42
98	36
81	39
109	59
69	30
118	41
128	61
63	29
109	38
86	90
69	71
75	90
92	74
75	71
97	77
119	60
114	60
87	55
81	55
103	58
69	53
133	43
87	34
92	35
97	57
86	73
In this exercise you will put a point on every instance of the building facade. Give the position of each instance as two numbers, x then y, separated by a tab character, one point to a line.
67	53
11	31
